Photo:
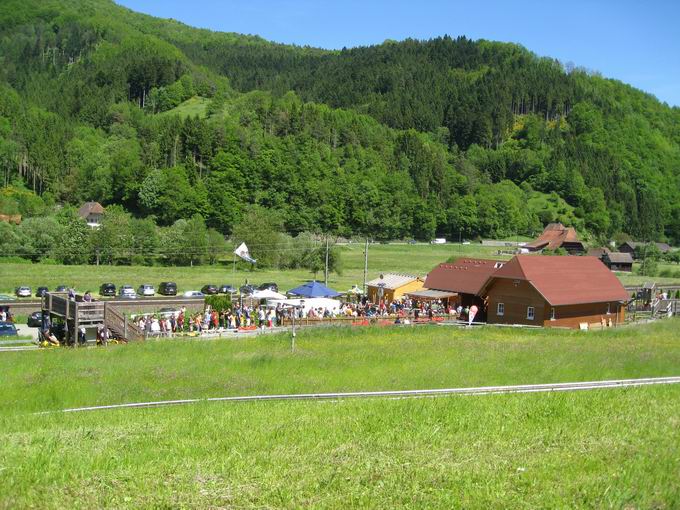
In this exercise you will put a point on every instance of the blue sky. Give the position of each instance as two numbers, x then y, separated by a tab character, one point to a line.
633	41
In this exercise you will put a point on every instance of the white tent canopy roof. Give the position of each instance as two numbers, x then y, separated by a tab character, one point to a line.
267	294
327	303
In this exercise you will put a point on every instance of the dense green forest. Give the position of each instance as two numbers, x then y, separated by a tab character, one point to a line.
444	137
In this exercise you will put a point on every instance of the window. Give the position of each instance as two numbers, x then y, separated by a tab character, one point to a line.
500	309
530	313
552	314
609	308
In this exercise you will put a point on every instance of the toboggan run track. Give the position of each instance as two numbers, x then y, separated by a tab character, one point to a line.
397	394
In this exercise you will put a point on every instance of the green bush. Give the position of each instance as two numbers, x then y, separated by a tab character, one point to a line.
219	303
14	260
49	262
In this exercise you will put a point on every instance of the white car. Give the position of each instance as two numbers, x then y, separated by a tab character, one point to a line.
127	291
167	312
194	293
146	290
23	291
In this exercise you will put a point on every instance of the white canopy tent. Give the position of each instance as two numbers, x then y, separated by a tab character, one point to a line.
308	303
267	294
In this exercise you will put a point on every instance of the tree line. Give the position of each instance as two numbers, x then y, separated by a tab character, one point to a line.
447	137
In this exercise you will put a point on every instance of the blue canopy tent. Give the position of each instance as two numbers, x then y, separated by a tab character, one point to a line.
313	289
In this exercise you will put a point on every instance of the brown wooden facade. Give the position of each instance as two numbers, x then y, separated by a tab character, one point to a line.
517	297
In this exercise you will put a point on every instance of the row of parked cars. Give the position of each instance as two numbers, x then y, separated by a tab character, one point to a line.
148	290
39	292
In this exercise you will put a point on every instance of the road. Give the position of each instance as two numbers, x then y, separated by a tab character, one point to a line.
399	394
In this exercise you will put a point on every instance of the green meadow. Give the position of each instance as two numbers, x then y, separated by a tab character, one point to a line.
416	259
605	448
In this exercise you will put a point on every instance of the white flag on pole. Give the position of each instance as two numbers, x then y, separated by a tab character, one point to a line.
242	251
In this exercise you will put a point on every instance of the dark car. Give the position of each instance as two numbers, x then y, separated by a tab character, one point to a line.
227	289
269	286
107	289
167	289
8	329
209	290
246	290
41	291
61	288
34	320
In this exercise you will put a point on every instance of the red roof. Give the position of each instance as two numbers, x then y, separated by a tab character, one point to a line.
566	280
554	235
465	275
90	208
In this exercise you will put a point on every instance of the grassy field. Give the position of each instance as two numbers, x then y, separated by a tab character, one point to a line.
337	359
606	448
415	259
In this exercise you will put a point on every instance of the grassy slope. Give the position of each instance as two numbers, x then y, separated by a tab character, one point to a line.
195	106
608	448
332	360
417	259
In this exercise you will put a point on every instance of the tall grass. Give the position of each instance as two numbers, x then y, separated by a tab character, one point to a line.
332	360
600	449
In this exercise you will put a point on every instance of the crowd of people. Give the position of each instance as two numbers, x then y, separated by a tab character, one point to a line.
210	320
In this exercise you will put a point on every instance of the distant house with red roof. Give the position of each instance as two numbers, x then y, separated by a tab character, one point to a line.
555	236
555	292
92	213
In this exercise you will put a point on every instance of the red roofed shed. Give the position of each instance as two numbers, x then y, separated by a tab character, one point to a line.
555	291
466	277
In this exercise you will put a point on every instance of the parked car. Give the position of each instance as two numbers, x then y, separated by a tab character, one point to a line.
247	289
23	292
41	291
7	297
8	329
269	286
227	289
168	311
34	320
167	289
61	288
127	291
438	240
209	289
146	290
107	289
193	294
412	241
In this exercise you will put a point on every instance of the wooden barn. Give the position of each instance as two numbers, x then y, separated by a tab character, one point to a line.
617	261
555	236
629	247
391	286
466	278
572	292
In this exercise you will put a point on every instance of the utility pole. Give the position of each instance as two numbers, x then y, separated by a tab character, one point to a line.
365	264
325	274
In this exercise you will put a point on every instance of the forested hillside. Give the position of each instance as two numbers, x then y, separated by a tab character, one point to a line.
410	139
